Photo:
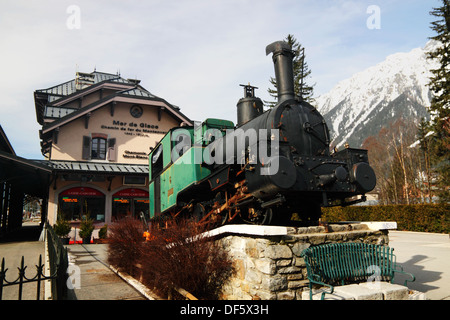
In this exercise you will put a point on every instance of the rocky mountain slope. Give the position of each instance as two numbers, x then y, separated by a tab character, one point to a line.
360	106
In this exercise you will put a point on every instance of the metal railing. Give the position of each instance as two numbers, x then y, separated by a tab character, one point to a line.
59	262
22	278
57	275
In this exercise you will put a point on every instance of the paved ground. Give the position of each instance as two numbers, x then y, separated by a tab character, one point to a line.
94	280
427	256
23	243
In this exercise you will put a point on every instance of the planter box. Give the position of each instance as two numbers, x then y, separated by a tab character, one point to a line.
100	241
65	241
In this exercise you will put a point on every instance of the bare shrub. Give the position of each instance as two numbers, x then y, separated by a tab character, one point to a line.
177	256
125	244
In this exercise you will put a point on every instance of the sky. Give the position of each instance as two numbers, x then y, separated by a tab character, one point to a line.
192	53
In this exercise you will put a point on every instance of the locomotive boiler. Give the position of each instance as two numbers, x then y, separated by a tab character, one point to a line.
270	168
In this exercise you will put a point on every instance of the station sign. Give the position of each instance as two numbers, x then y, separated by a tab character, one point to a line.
131	193
82	191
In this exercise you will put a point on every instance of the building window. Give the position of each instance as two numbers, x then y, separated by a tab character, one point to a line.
98	150
99	147
75	203
130	203
157	161
134	181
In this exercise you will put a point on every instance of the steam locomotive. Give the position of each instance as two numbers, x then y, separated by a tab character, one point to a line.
274	166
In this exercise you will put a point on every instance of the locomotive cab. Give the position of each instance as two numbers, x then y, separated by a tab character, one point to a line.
176	165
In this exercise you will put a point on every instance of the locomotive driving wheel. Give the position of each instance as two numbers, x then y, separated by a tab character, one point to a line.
257	216
198	212
219	219
208	213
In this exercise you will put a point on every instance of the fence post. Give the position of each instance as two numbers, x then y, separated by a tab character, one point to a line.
58	264
40	270
21	276
2	277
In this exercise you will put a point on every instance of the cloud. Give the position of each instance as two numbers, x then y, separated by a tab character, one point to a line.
192	53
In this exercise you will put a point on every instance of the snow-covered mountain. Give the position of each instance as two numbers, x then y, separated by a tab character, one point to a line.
360	106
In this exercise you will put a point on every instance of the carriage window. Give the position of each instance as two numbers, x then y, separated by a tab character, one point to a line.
181	144
157	161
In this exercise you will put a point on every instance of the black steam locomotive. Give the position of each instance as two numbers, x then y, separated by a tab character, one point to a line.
273	166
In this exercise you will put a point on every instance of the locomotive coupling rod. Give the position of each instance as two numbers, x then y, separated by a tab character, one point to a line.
273	202
219	210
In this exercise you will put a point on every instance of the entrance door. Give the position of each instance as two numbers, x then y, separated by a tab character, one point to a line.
129	203
75	203
141	205
121	208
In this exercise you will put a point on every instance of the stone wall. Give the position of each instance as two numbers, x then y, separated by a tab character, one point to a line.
270	267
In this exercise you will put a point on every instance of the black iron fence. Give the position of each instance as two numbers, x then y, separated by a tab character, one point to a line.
59	263
57	275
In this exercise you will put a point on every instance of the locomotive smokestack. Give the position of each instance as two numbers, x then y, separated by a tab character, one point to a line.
284	73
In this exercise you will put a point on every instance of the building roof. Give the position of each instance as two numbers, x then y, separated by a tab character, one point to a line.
5	145
75	85
27	176
50	102
34	176
77	113
95	167
55	107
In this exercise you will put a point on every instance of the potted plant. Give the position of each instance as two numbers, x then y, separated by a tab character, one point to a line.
62	229
102	234
86	229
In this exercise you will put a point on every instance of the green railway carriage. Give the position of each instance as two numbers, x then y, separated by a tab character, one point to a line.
177	174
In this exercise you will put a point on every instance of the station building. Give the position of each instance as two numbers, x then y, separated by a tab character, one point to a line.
97	131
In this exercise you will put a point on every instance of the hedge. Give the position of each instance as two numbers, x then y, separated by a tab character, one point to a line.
419	217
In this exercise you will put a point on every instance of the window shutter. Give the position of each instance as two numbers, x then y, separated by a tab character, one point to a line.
112	154
86	153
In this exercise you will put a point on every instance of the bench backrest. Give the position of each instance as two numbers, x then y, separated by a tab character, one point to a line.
340	263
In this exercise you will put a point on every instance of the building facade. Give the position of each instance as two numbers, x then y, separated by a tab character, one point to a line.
97	132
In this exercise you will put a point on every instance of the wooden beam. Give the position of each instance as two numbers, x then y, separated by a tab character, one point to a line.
160	110
55	135
113	106
86	120
184	293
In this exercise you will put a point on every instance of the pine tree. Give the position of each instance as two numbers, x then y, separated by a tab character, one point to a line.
440	104
301	88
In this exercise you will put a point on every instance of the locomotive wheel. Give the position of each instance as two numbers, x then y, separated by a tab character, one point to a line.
214	220
198	213
222	218
258	217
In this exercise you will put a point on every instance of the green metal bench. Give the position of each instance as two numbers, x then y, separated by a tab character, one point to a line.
335	264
